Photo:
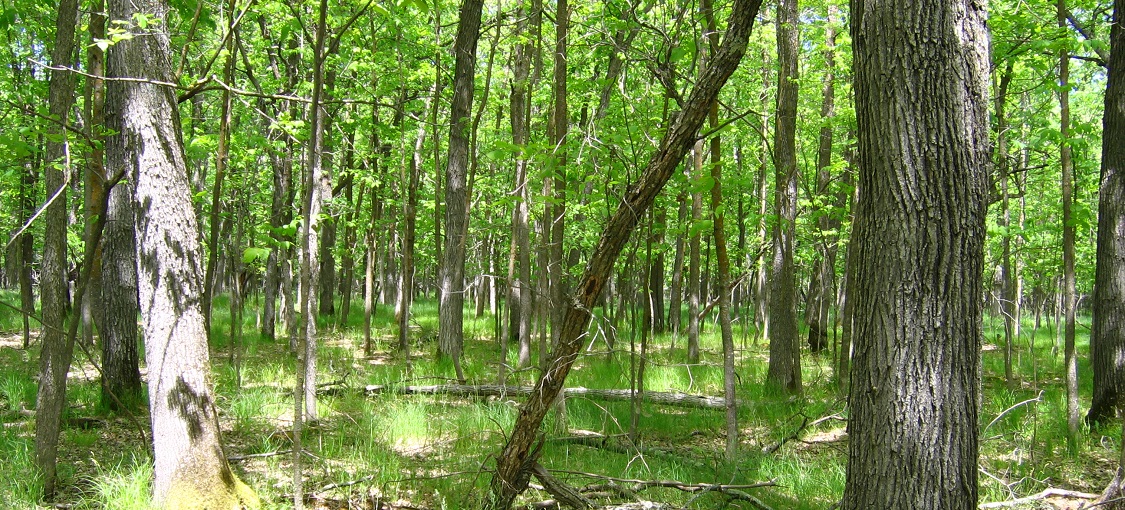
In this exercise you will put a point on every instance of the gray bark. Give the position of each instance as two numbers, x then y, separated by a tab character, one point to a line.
55	357
451	336
785	350
921	76
190	469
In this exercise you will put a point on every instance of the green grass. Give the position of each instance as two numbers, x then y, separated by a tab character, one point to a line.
435	451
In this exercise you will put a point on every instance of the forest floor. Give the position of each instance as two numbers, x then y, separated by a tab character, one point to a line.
387	450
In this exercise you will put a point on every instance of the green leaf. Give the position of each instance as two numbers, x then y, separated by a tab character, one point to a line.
254	255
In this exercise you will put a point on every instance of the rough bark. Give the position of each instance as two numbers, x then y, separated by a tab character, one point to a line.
514	462
1107	332
676	292
921	76
121	376
190	469
112	287
451	310
55	357
785	350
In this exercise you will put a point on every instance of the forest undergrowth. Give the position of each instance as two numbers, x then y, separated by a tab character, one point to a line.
385	450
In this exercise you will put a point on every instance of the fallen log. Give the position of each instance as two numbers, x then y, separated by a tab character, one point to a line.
495	390
1050	492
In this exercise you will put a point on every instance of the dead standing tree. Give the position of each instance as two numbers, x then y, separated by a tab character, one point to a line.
517	460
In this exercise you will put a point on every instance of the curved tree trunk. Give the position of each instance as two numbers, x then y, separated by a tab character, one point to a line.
190	468
516	460
921	76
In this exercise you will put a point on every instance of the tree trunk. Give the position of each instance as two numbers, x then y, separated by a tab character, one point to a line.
1107	333
676	292
785	349
693	279
822	288
519	293
222	159
1009	299
921	76
190	469
514	461
121	376
1069	294
410	177
451	310
55	357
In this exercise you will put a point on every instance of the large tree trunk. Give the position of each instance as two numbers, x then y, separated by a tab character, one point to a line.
451	310
1107	333
921	77
785	349
54	359
190	469
516	460
114	289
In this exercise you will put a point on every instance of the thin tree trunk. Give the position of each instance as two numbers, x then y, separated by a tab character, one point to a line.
1007	278
718	218
1069	293
822	289
222	158
693	280
515	461
316	190
55	357
676	292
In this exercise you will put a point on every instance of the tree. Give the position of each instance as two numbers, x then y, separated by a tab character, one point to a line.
1107	334
516	459
921	87
785	349
822	286
115	292
1107	331
1069	297
54	359
452	307
190	468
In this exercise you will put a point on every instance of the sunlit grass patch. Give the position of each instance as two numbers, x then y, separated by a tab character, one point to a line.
125	486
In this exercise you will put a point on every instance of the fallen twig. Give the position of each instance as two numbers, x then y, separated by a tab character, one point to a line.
1044	494
495	390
